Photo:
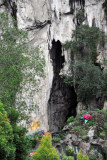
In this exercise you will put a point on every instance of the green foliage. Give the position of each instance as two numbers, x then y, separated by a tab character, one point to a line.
70	119
103	135
46	151
80	15
86	132
67	158
105	112
91	123
95	136
22	143
70	158
57	139
13	115
92	157
105	127
88	80
7	148
76	122
80	156
63	157
18	61
85	43
105	83
69	151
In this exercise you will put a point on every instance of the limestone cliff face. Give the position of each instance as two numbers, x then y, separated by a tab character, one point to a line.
50	23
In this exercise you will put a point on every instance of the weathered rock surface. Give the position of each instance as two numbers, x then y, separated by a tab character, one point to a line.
48	20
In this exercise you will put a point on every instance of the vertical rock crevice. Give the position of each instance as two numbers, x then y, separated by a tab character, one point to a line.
63	99
72	4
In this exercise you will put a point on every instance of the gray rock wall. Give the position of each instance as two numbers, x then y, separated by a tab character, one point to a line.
48	20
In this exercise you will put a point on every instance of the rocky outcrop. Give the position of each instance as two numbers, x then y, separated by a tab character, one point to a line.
48	21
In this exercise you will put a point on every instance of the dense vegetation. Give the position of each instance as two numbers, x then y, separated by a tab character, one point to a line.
19	64
16	59
46	151
84	74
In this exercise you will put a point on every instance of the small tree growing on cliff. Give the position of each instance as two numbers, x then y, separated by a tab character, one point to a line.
15	56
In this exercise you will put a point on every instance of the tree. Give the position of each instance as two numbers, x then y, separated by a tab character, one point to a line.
87	79
46	151
7	148
16	56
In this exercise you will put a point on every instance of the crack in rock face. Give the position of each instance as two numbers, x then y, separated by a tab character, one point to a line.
62	102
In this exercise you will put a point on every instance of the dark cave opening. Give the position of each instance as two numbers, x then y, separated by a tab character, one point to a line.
63	99
79	2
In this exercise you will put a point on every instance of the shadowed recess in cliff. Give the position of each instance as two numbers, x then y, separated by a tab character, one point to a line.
63	99
12	7
79	2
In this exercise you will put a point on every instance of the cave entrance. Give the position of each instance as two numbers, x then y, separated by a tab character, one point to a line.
63	99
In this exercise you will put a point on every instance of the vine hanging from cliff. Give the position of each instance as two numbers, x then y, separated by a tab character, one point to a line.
87	78
85	42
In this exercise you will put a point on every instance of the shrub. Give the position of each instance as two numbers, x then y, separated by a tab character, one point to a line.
64	157
85	43
14	62
105	112
46	151
70	119
80	156
84	75
103	135
57	139
76	122
80	15
67	158
77	128
105	127
70	158
22	143
7	148
92	157
88	80
91	123
69	151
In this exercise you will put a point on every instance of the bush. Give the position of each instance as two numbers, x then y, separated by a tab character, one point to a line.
70	119
91	123
67	158
103	135
57	139
88	80
80	156
7	148
92	157
17	61
80	16
95	136
105	112
105	127
46	151
21	142
85	42
70	158
69	151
